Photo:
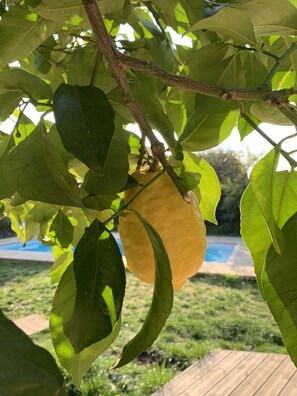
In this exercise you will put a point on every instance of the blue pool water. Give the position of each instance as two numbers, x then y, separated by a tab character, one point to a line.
215	252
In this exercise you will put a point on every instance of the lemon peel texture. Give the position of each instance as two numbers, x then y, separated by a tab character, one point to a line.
179	224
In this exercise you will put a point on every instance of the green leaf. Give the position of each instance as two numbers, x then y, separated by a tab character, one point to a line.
269	113
61	230
280	20
115	174
209	125
284	196
161	304
85	122
231	23
29	31
255	71
254	232
62	311
262	181
100	283
8	102
26	369
6	144
279	282
18	80
45	177
60	265
208	191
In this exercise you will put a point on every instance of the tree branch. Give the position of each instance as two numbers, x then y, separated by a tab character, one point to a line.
113	58
262	94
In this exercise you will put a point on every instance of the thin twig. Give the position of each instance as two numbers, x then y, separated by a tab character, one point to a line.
279	61
291	161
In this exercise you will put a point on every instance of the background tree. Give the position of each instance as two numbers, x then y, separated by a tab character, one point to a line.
232	172
63	177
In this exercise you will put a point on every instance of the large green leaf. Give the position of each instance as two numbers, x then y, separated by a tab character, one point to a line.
262	181
208	190
280	20
85	122
232	24
72	11
25	368
38	173
115	174
161	304
100	284
269	114
21	31
284	196
24	83
254	232
279	282
209	125
6	144
62	311
61	230
8	102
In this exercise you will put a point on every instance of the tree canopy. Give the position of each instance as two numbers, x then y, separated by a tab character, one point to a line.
191	70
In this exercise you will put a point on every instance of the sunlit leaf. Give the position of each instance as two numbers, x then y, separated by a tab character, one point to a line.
262	181
100	284
62	311
209	190
61	230
25	368
85	122
279	282
161	304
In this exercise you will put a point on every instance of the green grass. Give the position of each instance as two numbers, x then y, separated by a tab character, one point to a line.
210	312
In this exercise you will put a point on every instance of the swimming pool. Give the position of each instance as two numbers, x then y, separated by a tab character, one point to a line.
215	252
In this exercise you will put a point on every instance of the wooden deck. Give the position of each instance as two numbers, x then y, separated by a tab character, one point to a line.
31	324
236	373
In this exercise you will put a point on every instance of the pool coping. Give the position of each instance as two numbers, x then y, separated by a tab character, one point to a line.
239	263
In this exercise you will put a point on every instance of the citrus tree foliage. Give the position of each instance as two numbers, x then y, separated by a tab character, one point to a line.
63	180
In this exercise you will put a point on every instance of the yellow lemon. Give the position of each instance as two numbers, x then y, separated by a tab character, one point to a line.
178	223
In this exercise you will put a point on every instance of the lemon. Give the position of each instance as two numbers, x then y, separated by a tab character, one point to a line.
178	223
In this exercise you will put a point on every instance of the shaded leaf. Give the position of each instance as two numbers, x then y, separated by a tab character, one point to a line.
18	80
26	369
46	178
279	282
29	31
262	181
61	230
161	304
100	283
62	311
8	102
208	191
85	122
6	144
269	113
231	23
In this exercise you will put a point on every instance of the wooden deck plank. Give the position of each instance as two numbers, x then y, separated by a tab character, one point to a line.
234	377
253	382
193	373
278	379
235	373
212	377
31	324
290	388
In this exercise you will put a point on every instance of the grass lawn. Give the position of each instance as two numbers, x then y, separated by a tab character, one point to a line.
209	312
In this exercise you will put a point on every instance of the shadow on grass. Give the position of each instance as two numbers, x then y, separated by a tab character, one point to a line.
19	270
231	281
